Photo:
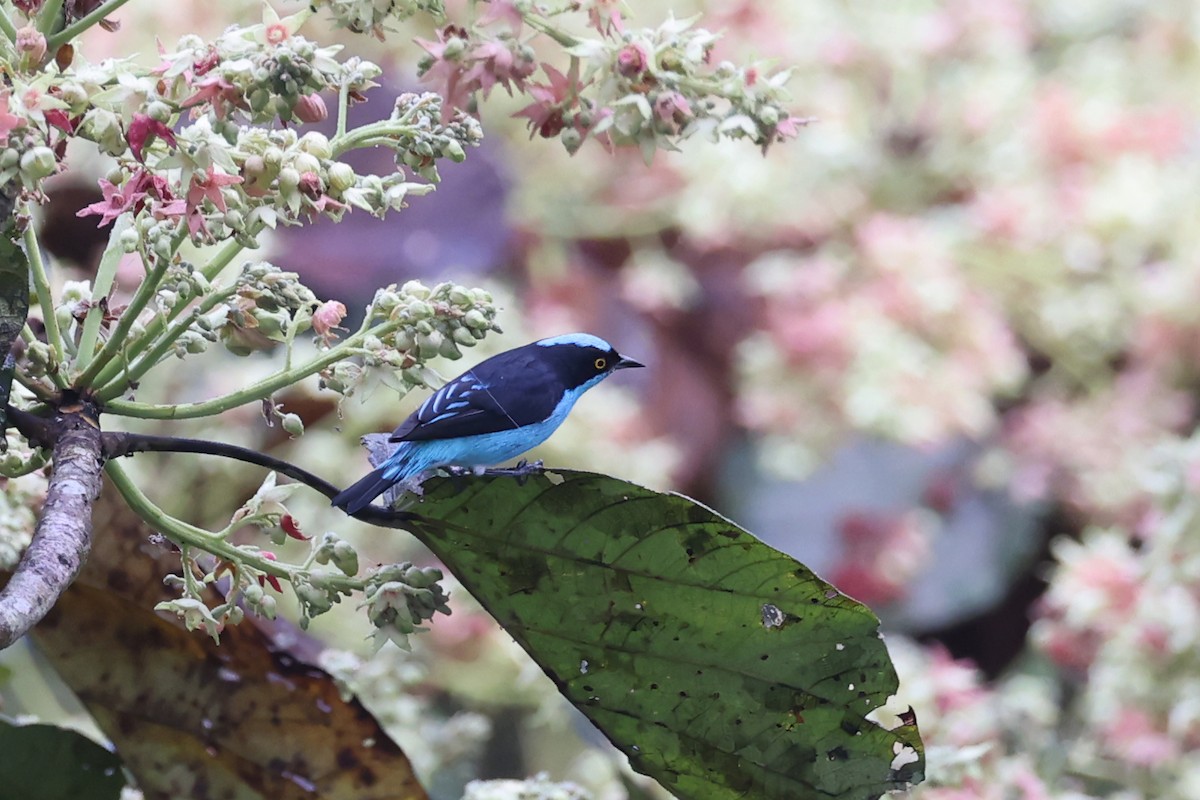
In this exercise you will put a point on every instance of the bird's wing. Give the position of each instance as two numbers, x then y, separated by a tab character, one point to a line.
503	393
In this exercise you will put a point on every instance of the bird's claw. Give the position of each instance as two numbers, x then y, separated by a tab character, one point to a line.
522	471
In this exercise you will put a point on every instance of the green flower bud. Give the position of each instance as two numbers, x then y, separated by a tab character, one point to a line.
266	607
292	424
463	336
289	179
345	558
429	344
341	176
10	158
306	162
317	144
415	289
129	239
38	162
455	151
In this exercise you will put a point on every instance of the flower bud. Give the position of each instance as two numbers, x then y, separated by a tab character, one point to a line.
341	176
292	425
38	162
31	44
306	162
317	144
310	108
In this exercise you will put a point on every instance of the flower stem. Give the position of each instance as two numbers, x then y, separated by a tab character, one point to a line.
48	18
105	277
6	25
544	26
112	389
183	533
223	258
41	285
117	348
82	24
187	535
256	391
343	109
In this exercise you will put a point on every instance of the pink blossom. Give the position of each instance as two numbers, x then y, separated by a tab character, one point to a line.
326	318
115	203
9	121
207	185
142	129
673	109
605	16
546	113
503	11
633	59
1134	737
218	91
880	554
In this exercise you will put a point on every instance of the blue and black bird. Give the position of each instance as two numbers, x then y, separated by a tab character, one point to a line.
491	413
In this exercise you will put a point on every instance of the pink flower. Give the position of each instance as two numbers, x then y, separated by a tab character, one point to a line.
215	89
1134	738
633	59
277	33
673	109
605	16
326	318
551	99
881	553
9	121
207	186
142	129
503	11
115	203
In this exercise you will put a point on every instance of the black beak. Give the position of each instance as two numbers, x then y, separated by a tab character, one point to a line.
627	363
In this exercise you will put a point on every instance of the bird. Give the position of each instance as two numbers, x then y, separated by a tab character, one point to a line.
493	412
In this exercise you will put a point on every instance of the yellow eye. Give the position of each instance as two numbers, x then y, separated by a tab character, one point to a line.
601	363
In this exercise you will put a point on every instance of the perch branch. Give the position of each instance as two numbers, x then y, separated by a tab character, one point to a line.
63	535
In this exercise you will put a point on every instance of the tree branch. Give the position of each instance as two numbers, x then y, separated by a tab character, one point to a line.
63	536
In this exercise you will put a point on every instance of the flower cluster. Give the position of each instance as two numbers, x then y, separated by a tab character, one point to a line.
197	141
373	16
887	338
419	323
647	89
399	598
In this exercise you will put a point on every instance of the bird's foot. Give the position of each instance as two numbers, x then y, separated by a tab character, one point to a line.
521	471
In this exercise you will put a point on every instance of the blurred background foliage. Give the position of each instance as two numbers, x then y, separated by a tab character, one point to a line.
944	348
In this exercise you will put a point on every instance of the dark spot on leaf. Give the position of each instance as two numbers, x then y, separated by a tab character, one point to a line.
763	657
730	534
837	754
683	694
654	686
367	777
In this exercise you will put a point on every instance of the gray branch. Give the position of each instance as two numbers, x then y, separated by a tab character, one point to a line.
63	536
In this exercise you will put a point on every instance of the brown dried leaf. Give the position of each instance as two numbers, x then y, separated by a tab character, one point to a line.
193	719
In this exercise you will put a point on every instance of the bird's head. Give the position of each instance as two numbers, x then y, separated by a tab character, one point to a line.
583	360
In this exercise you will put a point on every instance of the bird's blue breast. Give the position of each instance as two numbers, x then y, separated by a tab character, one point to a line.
414	457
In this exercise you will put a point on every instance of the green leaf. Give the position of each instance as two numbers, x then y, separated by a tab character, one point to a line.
45	762
721	667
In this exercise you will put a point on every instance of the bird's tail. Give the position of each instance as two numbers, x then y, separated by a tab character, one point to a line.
358	496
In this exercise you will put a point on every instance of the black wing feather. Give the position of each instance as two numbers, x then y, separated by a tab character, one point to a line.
508	391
